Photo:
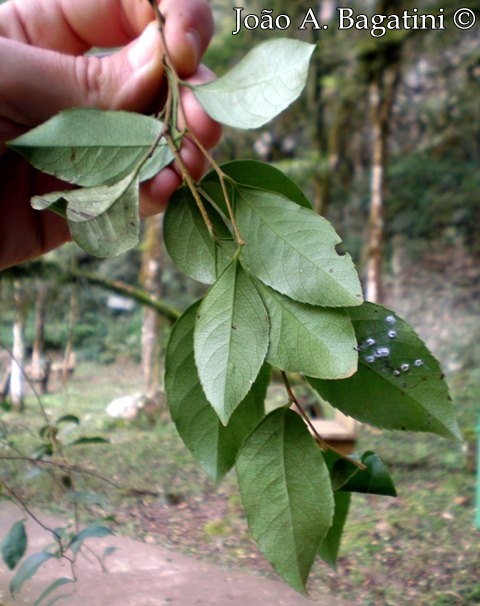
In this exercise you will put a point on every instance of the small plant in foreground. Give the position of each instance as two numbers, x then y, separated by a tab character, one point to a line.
67	541
280	296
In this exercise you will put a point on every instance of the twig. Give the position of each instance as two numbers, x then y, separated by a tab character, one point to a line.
318	438
221	177
30	513
172	105
63	466
191	185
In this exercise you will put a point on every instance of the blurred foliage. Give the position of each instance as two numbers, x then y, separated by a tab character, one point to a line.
431	194
435	126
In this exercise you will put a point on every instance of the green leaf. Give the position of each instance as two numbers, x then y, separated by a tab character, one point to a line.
340	469
102	220
14	544
189	243
330	546
46	430
399	384
265	82
28	568
57	583
42	451
93	147
94	531
68	419
109	551
286	493
260	175
316	341
161	157
85	203
292	249
213	445
375	479
231	340
115	231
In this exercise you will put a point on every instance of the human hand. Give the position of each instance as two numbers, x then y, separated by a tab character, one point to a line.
43	70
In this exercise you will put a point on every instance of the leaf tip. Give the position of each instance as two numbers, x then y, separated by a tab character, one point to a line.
455	433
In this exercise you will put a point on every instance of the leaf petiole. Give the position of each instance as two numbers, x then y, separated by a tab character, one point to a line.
174	106
222	179
318	438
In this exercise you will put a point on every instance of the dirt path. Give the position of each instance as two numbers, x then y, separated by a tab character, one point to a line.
138	574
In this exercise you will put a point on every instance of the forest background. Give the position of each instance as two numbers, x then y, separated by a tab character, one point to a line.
386	143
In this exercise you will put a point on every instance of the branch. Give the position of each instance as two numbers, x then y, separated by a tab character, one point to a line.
63	466
132	292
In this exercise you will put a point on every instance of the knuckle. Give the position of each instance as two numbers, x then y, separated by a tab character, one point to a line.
91	77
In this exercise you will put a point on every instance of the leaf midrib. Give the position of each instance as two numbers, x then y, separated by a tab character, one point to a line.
287	243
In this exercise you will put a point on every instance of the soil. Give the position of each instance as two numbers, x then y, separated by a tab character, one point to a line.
137	574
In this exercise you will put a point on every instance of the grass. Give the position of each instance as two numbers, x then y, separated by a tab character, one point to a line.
420	548
134	458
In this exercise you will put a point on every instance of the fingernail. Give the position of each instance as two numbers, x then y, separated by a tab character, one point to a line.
145	48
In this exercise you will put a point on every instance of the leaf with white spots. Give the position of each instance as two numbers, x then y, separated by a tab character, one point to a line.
399	383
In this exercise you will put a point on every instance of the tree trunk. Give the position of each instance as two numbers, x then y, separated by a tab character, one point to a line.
151	279
374	284
17	373
69	354
383	82
316	108
40	365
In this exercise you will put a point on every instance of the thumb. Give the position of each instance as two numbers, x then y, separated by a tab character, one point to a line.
129	79
37	83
